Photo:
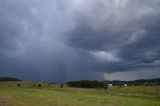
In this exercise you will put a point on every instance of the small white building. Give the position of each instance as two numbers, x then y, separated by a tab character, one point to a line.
109	88
110	85
125	85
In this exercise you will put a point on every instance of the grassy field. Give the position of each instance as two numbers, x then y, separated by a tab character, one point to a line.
53	95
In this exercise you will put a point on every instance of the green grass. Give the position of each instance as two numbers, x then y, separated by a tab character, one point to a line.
138	90
26	95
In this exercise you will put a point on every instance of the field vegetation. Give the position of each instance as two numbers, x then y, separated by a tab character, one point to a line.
44	94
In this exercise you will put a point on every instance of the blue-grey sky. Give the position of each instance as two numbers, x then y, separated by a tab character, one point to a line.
62	40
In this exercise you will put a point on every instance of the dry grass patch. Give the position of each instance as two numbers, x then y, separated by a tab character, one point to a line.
6	101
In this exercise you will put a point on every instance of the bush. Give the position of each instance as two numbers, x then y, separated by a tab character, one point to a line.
105	87
120	86
39	85
61	86
18	85
34	85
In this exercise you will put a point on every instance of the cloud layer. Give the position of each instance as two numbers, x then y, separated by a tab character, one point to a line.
61	40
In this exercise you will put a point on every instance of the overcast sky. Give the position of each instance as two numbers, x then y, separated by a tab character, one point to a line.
62	40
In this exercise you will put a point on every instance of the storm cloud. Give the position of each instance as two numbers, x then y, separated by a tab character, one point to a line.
62	40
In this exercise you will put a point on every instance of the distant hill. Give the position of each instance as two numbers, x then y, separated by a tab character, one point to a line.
9	79
155	81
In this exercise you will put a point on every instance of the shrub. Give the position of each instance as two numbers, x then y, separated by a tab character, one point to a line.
61	86
34	85
18	85
105	87
39	85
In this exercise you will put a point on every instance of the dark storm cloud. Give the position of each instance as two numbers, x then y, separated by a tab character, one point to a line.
76	39
130	28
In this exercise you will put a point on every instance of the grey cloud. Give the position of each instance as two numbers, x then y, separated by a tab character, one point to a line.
130	28
110	25
70	40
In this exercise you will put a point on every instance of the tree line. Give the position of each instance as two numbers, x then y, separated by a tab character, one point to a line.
86	84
